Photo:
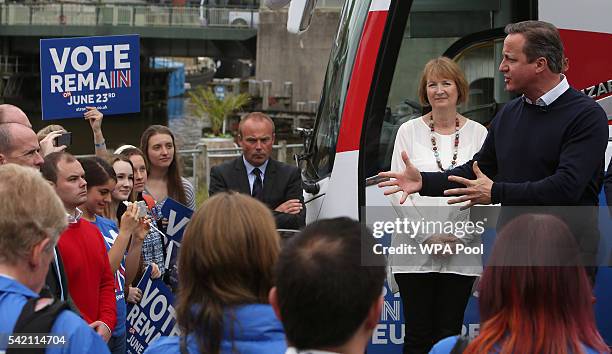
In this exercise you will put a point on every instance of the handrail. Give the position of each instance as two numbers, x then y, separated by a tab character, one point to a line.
79	14
217	153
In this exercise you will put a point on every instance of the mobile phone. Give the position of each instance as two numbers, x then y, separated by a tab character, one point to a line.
142	208
64	139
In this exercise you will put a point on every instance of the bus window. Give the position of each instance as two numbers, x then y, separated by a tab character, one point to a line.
478	64
471	34
427	35
339	68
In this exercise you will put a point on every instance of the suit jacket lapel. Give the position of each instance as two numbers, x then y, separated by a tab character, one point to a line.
243	179
269	178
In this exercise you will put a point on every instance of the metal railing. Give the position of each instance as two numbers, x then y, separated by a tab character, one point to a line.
197	162
67	14
330	4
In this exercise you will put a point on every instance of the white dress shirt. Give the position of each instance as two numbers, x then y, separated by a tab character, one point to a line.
550	96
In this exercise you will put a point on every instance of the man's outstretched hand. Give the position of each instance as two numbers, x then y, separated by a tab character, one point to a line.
408	181
477	191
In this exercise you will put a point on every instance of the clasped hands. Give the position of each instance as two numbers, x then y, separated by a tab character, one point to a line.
292	206
477	191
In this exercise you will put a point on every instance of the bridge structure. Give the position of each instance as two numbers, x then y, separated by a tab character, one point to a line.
164	30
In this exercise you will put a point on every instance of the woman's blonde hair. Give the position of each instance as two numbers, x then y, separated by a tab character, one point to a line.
443	68
48	130
227	257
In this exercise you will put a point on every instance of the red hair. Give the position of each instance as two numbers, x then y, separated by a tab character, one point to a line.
535	297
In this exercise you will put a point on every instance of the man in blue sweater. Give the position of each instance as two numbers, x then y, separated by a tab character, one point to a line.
544	148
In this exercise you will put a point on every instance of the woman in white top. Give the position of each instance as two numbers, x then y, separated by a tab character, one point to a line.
435	288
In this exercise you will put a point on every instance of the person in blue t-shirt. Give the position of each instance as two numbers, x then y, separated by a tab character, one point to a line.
27	239
102	188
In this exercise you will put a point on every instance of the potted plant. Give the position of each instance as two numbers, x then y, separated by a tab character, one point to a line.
207	104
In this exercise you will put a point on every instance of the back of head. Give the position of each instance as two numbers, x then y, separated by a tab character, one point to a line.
534	292
13	114
324	292
30	212
230	248
542	39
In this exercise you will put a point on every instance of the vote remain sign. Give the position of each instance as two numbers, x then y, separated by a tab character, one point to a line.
178	217
101	72
154	316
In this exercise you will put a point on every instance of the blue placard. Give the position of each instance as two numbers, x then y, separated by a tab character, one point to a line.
178	217
154	316
101	72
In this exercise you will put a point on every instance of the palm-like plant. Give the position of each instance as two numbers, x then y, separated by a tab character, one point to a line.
217	110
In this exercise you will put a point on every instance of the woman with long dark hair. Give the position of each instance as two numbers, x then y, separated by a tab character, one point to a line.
535	297
164	175
229	249
123	244
153	245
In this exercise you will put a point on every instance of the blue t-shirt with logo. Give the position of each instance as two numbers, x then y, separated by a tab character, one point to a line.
109	230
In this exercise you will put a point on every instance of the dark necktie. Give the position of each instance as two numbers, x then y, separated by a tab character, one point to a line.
257	185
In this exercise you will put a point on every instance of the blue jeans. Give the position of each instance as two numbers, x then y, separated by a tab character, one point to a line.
118	345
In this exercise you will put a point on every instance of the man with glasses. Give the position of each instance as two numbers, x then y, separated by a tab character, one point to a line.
19	145
276	184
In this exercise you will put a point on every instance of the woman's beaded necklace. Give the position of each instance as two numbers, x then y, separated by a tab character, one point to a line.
434	146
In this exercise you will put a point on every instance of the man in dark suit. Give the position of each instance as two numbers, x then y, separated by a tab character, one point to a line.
276	184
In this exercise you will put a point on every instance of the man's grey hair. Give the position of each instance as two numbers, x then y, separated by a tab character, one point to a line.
542	39
30	212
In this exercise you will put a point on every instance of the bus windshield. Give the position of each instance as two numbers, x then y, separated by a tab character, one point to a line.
323	147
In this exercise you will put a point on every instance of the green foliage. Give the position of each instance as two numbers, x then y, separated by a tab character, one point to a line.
208	104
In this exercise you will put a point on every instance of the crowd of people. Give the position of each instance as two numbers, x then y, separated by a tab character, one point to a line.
74	240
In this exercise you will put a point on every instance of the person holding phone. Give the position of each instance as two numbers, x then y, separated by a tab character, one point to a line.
101	184
153	247
53	138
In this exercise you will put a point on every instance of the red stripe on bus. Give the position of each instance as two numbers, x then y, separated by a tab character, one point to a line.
589	56
361	80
